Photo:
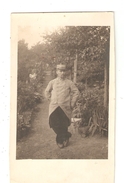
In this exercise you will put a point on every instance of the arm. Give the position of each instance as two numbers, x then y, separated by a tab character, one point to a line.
75	94
48	90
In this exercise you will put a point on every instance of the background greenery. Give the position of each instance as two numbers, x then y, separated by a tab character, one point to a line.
90	46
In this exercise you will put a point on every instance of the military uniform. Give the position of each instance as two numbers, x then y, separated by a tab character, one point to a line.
62	94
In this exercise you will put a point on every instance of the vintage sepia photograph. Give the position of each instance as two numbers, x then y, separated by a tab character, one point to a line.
62	92
64	76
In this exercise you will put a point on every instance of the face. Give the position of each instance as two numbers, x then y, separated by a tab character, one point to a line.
61	73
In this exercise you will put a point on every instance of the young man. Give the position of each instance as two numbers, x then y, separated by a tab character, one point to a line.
63	95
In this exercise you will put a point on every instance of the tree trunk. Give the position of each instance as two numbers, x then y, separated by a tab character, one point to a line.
75	69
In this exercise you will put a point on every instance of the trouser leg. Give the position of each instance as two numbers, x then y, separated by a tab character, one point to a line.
62	133
59	123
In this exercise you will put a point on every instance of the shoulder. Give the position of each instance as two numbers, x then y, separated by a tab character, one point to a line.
52	81
69	81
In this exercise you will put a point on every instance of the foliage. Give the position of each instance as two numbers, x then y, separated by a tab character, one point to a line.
30	79
90	44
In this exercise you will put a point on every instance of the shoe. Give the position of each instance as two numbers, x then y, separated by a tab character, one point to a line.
60	145
65	143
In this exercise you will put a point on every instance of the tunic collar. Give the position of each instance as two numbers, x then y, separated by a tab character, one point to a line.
60	79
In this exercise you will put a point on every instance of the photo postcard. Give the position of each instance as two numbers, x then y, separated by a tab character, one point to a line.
62	97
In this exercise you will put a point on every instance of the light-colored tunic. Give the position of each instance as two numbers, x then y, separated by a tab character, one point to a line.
61	93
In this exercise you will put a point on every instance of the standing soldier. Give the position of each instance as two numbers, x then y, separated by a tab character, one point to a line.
63	95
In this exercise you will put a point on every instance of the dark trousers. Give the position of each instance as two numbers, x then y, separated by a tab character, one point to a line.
59	122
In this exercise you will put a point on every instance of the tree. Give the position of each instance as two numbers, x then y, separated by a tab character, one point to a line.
91	44
23	60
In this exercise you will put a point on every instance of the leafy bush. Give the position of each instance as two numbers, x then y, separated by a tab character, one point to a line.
91	109
27	101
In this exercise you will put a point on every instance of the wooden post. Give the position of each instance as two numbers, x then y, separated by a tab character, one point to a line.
75	69
106	87
106	78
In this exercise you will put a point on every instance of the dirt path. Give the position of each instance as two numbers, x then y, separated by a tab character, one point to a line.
40	142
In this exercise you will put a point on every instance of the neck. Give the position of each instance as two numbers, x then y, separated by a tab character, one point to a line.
61	78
